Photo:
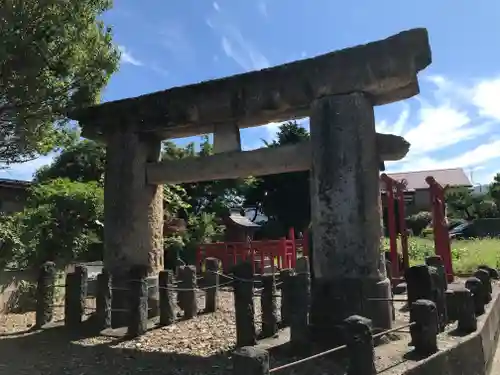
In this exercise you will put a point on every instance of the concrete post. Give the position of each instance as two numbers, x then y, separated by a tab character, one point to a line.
133	214
346	214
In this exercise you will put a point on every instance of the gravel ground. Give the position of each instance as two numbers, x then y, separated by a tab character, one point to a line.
201	345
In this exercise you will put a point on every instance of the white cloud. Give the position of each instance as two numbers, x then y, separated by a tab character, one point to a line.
127	58
453	126
242	51
216	6
25	171
486	96
235	45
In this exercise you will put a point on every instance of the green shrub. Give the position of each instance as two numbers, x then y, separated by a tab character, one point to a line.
416	223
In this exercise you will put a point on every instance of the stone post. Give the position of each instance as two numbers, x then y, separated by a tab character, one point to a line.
439	298
493	272
451	305
346	235
269	306
75	297
250	361
418	283
103	300
167	298
466	315
187	291
45	289
359	341
388	271
424	331
243	304
138	302
301	300
478	291
133	213
437	262
212	268
286	277
485	278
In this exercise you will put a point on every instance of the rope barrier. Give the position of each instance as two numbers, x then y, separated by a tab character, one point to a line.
380	334
282	367
338	348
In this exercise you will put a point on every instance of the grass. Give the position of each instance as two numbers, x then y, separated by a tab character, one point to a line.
466	254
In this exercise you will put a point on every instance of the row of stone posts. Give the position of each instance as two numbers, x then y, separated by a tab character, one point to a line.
76	293
462	304
359	339
295	302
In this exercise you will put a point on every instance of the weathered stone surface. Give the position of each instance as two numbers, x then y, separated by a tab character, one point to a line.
187	291
437	262
424	331
167	297
103	300
250	361
212	267
287	286
493	272
478	291
269	306
45	289
75	296
466	316
385	70
388	270
138	301
419	283
347	262
484	276
259	162
451	305
301	301
133	210
359	341
439	298
243	305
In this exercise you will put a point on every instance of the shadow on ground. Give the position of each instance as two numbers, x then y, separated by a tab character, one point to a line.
55	351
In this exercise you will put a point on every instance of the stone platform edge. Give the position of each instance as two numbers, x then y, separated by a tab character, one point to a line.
473	355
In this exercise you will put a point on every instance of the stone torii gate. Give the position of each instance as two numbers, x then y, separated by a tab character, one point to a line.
338	91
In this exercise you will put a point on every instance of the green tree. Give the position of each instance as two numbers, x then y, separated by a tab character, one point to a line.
60	223
283	198
54	56
215	197
83	162
494	190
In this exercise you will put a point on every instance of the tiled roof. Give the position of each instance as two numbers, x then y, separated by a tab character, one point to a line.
416	180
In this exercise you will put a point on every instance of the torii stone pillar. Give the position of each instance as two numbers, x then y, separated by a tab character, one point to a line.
346	216
133	213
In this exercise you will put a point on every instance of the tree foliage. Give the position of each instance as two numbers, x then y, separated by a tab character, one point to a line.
283	198
82	162
54	56
60	223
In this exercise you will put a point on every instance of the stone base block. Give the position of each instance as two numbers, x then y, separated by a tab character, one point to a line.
120	298
334	300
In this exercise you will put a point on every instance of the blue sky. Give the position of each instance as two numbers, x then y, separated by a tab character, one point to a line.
454	122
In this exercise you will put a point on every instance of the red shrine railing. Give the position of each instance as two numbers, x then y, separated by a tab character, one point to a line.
442	241
268	254
395	194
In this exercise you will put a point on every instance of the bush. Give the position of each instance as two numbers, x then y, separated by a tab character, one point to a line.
416	223
59	223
